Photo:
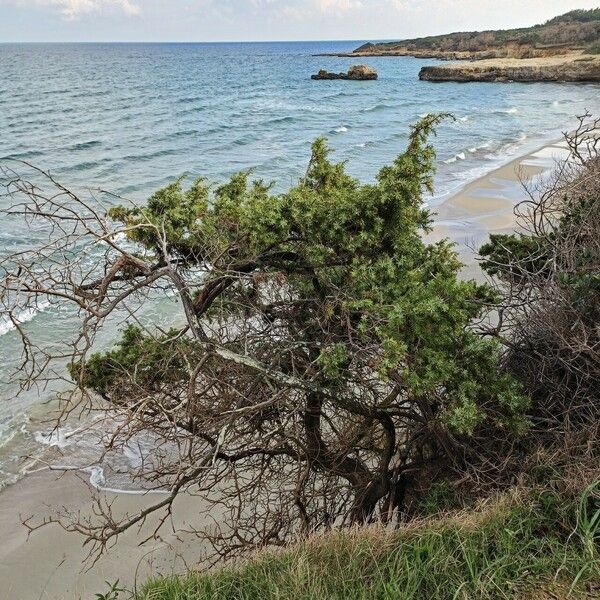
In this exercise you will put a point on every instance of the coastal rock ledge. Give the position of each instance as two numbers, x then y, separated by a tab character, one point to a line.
355	73
579	70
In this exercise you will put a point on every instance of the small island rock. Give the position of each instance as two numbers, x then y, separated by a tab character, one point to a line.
355	73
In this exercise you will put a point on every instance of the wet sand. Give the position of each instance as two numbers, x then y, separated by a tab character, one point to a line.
47	565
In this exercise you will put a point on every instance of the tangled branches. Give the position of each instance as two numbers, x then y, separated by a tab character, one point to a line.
321	368
548	277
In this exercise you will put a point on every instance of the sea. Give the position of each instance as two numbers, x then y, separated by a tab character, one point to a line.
131	118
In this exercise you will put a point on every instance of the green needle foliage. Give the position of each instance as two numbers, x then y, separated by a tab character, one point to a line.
324	368
327	349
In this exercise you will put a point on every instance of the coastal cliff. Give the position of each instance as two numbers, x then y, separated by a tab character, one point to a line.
568	69
575	31
566	48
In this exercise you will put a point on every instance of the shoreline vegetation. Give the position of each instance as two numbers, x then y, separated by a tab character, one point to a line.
364	391
486	204
566	48
517	546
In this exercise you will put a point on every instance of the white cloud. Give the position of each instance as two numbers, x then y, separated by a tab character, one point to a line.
339	5
306	10
269	19
72	9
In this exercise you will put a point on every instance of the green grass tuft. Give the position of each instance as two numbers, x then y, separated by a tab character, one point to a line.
593	48
512	549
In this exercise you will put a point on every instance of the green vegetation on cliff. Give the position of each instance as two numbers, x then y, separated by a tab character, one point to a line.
576	29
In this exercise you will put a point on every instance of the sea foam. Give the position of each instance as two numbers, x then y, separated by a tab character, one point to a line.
21	316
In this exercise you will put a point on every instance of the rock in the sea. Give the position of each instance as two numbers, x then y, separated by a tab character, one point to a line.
356	73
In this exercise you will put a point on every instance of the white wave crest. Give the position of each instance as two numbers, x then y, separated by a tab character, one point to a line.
459	156
22	316
508	111
475	149
97	478
56	437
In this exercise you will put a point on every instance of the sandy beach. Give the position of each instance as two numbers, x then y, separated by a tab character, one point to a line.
487	204
47	565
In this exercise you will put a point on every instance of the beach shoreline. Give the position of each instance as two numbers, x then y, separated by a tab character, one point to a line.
47	564
486	205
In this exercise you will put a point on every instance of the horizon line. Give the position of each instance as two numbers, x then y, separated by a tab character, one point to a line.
281	41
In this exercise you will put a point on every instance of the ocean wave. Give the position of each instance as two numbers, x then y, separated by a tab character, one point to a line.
88	165
376	107
182	133
507	111
151	155
278	120
7	479
85	145
476	149
188	99
24	155
21	316
11	428
341	129
508	148
97	478
56	437
98	481
456	157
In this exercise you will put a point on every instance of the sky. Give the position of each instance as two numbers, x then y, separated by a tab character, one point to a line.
236	20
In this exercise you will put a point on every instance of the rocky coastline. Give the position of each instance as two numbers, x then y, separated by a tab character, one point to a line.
567	69
566	48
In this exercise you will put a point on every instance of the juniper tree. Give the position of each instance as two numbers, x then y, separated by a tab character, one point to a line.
324	366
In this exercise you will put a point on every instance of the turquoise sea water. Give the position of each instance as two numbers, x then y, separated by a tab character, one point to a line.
131	117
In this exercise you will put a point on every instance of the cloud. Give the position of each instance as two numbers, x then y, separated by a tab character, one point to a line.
339	5
306	10
72	9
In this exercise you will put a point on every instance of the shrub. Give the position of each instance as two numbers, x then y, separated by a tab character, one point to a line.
326	369
548	277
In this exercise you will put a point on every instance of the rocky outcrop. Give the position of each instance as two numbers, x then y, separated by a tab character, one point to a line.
356	73
576	70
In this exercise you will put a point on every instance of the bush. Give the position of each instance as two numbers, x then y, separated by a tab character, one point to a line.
549	279
326	370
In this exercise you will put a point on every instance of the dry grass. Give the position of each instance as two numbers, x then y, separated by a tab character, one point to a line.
517	546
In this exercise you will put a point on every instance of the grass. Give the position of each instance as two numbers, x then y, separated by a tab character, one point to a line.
508	549
593	48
